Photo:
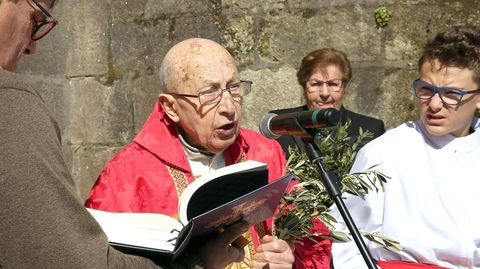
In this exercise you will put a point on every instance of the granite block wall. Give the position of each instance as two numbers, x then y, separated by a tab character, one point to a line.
98	70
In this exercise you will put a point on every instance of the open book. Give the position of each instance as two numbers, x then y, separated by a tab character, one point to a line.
220	198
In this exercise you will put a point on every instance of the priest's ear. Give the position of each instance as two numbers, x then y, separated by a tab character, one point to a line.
168	102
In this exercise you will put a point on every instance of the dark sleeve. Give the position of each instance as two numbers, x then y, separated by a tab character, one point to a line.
379	130
44	224
288	141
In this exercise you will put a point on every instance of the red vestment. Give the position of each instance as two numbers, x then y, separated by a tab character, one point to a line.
406	265
139	177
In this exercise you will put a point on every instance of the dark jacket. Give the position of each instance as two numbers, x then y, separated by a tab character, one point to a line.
375	126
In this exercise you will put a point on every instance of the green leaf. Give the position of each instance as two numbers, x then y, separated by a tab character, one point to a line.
309	199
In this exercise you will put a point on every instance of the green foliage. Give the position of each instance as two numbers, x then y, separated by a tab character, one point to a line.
382	240
382	16
309	199
339	150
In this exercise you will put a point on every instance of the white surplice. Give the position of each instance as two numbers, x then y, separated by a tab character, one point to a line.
430	204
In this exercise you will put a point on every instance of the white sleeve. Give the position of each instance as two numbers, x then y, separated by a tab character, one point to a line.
367	215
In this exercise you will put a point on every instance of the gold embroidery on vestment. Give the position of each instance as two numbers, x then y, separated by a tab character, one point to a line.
179	178
249	252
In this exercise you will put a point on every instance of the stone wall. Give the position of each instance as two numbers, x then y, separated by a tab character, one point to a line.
98	69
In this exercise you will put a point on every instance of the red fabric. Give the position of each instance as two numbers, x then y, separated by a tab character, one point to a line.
314	255
136	179
406	265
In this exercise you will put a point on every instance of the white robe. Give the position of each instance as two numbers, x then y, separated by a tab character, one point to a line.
430	204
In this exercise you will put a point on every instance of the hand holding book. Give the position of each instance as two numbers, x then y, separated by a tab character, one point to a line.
223	247
225	196
274	251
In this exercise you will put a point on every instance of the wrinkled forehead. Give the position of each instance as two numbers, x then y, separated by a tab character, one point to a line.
198	54
206	65
330	71
441	75
434	66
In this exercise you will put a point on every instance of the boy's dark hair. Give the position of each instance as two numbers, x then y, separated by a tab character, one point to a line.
458	46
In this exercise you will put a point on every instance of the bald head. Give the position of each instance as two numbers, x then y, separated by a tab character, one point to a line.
196	66
188	59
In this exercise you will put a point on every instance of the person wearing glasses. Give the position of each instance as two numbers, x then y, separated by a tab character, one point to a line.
324	75
44	224
430	203
20	40
194	128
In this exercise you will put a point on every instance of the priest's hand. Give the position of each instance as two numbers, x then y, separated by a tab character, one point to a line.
219	251
274	253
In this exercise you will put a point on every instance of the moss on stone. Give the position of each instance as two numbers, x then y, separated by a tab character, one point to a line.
150	22
265	36
112	74
308	13
237	35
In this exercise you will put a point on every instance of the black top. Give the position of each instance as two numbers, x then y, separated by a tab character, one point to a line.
375	126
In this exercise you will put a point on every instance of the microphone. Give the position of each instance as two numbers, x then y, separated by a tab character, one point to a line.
296	123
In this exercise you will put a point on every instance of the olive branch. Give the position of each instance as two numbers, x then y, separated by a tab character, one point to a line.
309	200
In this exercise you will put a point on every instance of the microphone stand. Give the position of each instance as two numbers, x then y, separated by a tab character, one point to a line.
314	154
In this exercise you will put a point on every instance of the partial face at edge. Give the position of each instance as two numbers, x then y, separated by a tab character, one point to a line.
16	24
439	118
324	98
213	126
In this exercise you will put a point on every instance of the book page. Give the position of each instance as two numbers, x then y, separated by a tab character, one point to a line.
225	174
253	207
147	230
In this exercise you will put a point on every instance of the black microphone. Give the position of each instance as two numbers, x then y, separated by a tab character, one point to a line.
296	123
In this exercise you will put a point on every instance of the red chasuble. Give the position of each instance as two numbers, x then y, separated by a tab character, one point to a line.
148	174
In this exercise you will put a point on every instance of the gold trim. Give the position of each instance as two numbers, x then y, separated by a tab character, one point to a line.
179	178
249	252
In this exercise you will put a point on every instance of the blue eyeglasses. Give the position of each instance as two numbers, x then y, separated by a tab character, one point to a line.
449	95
